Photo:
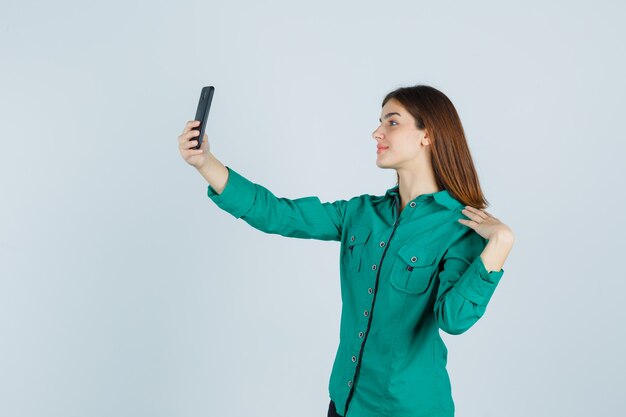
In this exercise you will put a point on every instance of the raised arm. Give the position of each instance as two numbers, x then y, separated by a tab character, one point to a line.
305	218
465	284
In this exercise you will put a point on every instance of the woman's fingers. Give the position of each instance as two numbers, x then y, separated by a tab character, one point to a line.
189	144
480	213
189	125
188	140
189	152
186	136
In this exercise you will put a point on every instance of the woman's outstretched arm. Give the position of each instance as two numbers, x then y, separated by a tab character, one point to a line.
215	173
305	218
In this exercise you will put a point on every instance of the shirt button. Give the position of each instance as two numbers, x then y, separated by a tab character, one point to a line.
350	383
352	238
374	267
361	335
413	259
354	359
412	204
365	313
369	290
381	244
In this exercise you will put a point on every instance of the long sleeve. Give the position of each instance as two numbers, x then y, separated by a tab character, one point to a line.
305	218
465	285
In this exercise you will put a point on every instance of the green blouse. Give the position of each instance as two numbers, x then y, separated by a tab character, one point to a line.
403	276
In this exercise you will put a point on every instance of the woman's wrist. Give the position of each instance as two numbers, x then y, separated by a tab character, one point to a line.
214	172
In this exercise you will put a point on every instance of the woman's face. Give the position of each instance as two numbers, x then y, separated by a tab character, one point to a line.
399	142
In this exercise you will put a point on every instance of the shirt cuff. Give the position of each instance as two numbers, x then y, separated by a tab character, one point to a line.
237	196
477	284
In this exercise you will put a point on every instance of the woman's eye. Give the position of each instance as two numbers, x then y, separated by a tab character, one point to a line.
392	121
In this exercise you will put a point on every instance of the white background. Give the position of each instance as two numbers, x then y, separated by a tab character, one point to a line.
124	291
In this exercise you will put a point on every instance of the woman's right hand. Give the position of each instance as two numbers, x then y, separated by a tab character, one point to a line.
186	142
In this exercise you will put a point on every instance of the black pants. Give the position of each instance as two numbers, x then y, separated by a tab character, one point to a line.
332	411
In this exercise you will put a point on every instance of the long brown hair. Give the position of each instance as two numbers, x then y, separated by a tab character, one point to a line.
450	154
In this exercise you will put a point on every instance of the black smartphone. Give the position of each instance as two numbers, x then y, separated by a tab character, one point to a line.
202	113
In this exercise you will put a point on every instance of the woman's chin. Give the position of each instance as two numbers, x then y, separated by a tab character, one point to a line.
380	161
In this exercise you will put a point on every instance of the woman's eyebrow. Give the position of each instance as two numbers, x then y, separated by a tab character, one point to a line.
388	115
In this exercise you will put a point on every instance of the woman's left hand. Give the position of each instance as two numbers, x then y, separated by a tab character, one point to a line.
484	223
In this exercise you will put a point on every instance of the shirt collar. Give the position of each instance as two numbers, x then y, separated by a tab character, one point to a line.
442	197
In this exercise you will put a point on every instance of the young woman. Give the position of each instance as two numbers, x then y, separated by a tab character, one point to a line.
422	257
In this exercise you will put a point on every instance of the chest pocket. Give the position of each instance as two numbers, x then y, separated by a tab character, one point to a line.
413	268
355	242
